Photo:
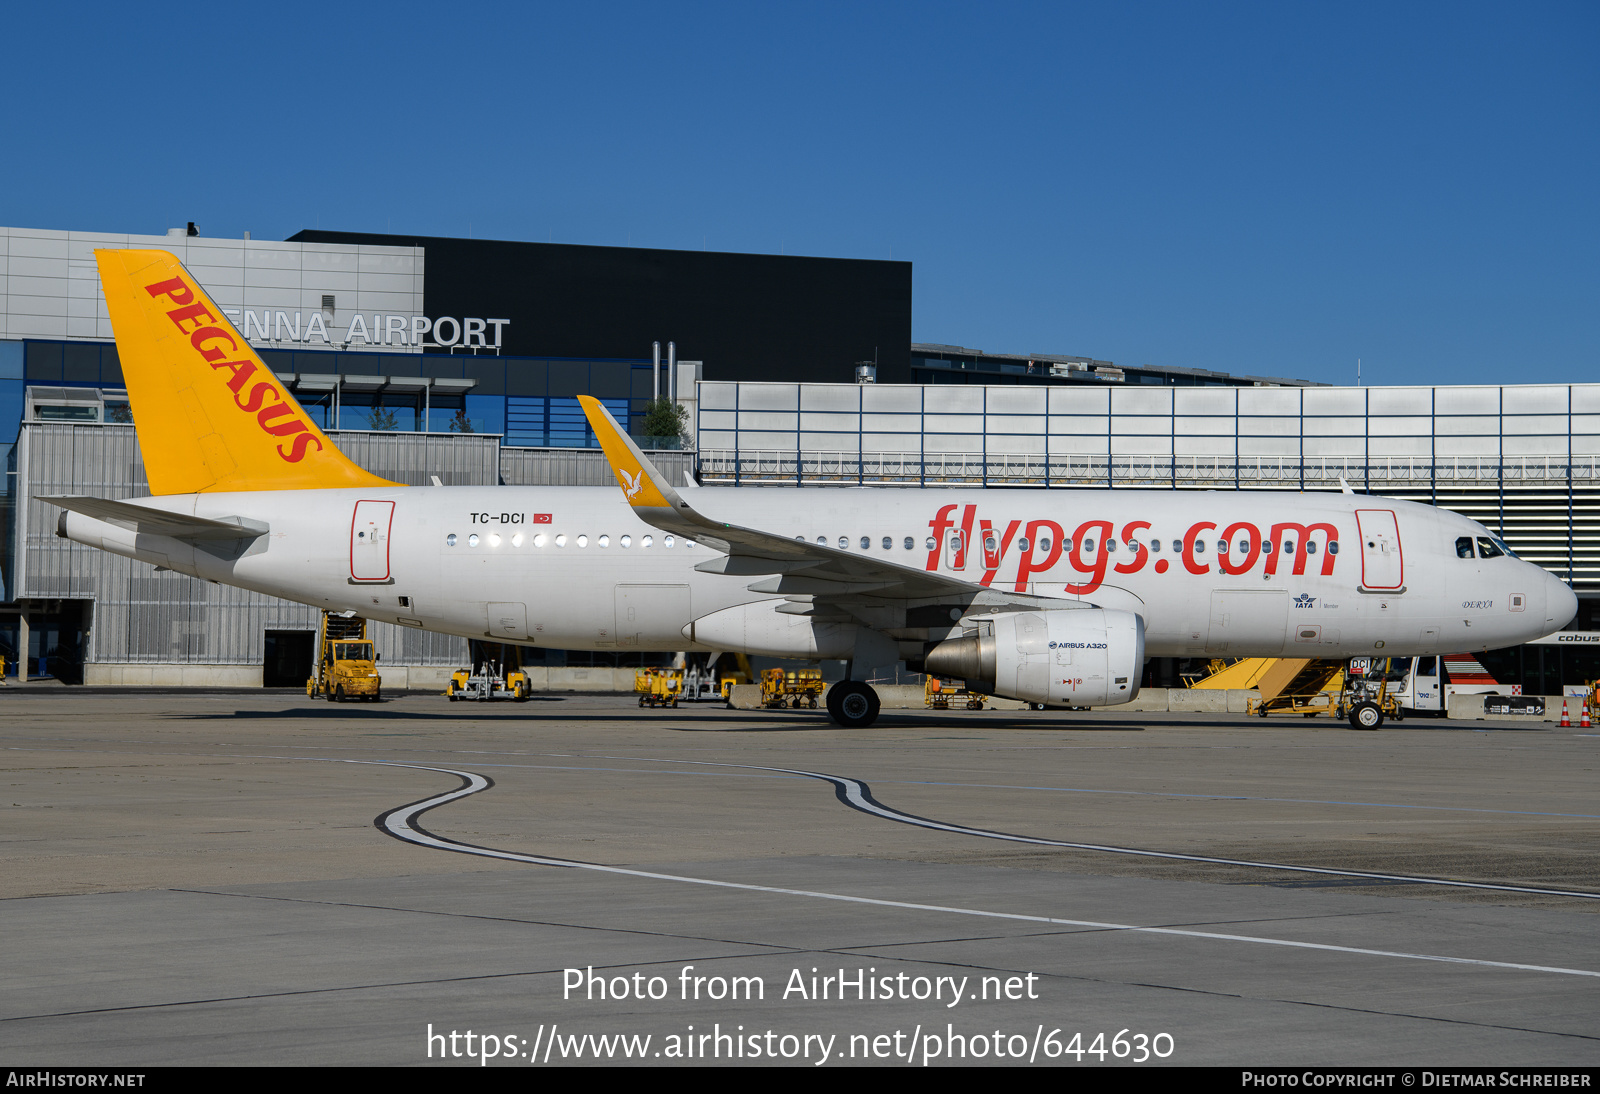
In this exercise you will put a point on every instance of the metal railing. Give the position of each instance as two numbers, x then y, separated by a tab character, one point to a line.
752	468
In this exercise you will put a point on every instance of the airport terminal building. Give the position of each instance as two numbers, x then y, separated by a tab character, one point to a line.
461	360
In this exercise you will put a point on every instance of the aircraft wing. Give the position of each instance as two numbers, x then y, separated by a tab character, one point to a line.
157	522
795	568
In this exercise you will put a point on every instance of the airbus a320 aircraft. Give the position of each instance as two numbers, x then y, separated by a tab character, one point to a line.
1052	597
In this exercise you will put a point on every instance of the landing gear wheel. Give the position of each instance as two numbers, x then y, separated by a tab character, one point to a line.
853	704
1366	716
1035	706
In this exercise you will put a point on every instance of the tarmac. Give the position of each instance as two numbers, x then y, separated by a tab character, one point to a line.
255	878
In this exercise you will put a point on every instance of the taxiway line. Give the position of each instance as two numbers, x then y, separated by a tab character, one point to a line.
401	823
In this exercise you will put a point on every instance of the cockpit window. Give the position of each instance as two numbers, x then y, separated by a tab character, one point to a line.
1507	551
1464	547
1487	548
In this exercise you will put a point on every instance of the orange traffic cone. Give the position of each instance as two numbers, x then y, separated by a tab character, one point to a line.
1583	720
1566	721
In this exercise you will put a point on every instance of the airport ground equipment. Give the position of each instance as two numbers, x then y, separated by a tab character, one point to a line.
941	695
742	674
346	666
802	688
658	687
701	685
1366	699
496	673
1296	685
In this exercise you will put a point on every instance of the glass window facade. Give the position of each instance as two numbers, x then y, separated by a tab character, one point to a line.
531	401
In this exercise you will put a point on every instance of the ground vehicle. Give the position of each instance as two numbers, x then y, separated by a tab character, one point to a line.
1047	596
1367	697
942	695
496	673
658	687
792	688
346	666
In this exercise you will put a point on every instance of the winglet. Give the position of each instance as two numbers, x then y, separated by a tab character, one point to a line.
642	482
209	413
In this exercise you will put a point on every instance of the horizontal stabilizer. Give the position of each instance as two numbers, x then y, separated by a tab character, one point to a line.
155	522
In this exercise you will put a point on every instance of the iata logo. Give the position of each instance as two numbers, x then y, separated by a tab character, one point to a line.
1304	600
274	414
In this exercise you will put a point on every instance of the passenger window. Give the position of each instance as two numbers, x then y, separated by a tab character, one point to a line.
1487	549
1311	547
1155	545
910	543
1464	547
1333	546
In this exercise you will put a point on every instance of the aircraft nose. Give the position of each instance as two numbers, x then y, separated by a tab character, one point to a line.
1560	602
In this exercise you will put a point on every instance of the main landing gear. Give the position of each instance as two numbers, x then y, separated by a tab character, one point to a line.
853	704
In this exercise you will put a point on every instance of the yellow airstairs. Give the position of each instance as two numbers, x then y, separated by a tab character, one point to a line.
1288	685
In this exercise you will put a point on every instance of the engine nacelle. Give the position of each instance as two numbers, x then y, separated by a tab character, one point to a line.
1080	657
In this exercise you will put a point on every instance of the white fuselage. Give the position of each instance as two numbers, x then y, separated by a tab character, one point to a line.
574	568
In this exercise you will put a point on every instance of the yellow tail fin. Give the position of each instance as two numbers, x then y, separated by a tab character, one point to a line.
210	415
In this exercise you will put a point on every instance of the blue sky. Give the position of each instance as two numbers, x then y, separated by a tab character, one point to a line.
1275	189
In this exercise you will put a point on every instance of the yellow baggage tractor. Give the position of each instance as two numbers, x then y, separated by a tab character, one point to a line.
792	689
658	687
939	695
346	666
496	673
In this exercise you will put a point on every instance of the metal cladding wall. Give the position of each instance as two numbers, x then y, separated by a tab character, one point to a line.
414	458
145	617
774	316
1523	460
580	467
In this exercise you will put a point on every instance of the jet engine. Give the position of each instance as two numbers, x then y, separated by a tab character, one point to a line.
1082	657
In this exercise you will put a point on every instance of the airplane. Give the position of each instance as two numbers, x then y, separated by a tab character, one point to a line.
1056	597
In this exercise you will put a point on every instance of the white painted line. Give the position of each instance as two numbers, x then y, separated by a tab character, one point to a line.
857	795
400	823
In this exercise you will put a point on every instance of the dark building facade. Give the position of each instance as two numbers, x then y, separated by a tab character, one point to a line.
744	316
